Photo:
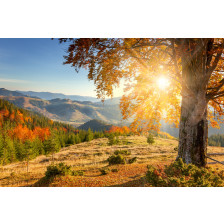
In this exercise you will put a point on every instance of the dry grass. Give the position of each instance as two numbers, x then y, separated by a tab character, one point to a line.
91	157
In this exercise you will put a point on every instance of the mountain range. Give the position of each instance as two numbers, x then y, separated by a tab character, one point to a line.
51	96
77	112
66	110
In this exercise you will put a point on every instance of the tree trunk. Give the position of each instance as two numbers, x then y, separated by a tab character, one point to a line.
193	130
53	158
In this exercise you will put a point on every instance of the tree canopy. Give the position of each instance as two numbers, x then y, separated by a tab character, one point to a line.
141	62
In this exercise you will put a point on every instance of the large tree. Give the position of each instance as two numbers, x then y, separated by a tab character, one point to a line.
194	67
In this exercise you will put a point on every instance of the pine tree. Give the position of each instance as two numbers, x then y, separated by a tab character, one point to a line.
28	152
8	152
52	145
38	147
89	135
77	139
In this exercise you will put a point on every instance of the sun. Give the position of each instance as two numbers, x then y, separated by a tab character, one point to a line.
163	83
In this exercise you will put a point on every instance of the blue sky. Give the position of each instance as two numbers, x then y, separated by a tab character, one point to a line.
37	65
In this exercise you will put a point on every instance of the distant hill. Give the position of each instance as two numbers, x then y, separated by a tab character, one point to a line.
95	125
11	116
50	96
5	92
66	110
115	100
78	112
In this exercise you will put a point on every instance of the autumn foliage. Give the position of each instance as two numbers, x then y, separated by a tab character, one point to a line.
140	62
24	135
193	67
119	130
25	126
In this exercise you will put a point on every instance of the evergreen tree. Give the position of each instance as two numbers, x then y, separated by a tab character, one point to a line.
8	153
77	139
52	145
89	135
38	147
28	152
82	135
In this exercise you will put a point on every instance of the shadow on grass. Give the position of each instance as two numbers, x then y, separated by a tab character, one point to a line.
43	182
140	182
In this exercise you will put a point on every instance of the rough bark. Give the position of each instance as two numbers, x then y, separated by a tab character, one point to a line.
193	130
192	136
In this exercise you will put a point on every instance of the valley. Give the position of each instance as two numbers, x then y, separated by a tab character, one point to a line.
76	112
66	110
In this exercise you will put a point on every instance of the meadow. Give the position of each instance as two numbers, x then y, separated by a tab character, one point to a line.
91	159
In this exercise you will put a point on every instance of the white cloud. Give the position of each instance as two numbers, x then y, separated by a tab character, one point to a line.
13	80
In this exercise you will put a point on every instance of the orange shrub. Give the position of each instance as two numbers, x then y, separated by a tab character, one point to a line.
119	130
42	133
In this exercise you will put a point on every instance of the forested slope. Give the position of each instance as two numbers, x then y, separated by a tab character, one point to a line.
25	135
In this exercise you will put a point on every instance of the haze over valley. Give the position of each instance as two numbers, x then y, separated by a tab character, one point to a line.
77	112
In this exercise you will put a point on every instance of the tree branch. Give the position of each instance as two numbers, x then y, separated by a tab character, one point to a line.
217	58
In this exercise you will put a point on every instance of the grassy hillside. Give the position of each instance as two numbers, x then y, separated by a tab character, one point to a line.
25	135
91	158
